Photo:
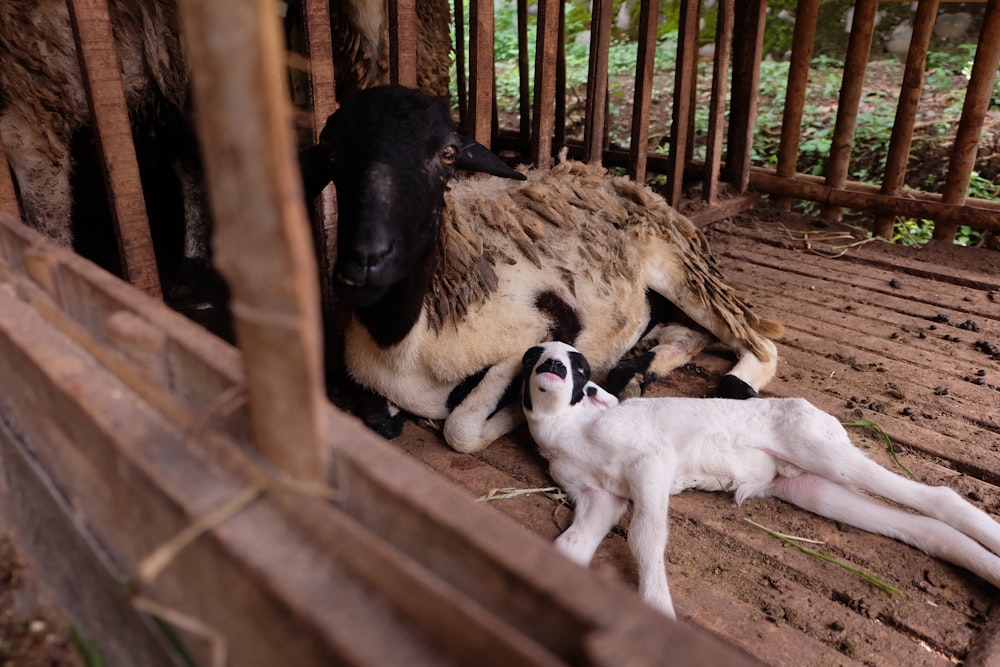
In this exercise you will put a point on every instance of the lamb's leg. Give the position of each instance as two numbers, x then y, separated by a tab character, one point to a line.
673	346
647	533
827	451
936	538
490	410
41	164
595	511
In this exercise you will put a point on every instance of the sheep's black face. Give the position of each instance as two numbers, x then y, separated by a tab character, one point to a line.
393	151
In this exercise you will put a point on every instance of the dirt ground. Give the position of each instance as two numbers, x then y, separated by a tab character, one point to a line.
896	336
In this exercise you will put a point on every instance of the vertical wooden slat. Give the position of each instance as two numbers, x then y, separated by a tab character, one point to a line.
597	81
970	125
645	68
323	94
262	241
748	44
906	110
481	70
523	70
559	131
543	120
8	196
717	112
858	47
684	81
460	81
403	42
806	15
101	72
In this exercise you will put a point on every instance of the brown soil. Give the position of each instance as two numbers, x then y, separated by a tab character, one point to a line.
31	634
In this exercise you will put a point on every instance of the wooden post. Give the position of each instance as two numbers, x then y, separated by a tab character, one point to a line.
481	70
8	196
970	126
543	120
523	71
684	82
262	243
717	112
597	82
749	16
906	110
403	42
858	47
806	13
638	146
101	72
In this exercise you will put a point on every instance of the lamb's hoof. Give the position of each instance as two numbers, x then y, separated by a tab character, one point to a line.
386	425
732	387
630	377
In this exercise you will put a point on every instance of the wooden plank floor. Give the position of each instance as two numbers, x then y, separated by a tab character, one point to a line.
880	333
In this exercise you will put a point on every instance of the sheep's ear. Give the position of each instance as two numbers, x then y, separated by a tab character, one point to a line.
317	170
473	156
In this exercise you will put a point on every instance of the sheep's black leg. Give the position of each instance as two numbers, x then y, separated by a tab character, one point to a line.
634	370
379	415
732	387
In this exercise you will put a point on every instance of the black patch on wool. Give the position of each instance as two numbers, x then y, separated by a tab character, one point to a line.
565	322
464	388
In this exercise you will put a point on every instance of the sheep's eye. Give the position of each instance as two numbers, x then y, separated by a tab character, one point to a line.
449	154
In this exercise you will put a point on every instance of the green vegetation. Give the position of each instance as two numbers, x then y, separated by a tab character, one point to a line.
944	90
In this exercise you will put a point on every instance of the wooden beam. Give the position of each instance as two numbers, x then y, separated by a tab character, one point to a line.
717	110
481	82
523	71
685	80
597	82
970	125
806	14
8	196
866	197
906	110
543	120
858	47
642	102
101	73
748	46
262	240
403	42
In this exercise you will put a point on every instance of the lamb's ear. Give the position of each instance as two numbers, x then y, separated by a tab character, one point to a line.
528	362
473	156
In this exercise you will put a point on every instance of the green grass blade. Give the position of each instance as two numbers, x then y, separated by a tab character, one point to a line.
885	438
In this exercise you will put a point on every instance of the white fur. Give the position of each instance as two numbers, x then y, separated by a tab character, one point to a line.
604	453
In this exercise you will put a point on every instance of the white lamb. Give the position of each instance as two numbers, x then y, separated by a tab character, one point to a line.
604	453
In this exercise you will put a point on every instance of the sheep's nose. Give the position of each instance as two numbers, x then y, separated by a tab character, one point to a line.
553	366
365	262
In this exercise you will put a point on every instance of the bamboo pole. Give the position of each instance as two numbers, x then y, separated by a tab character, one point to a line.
262	243
597	82
101	72
717	111
906	110
543	121
403	42
858	47
684	83
645	68
970	125
481	70
806	16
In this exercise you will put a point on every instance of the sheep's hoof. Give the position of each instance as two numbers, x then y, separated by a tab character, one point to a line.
732	387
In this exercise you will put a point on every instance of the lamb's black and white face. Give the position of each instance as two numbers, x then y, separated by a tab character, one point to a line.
555	377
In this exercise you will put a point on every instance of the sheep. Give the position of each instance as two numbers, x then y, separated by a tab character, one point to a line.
43	101
604	453
448	281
